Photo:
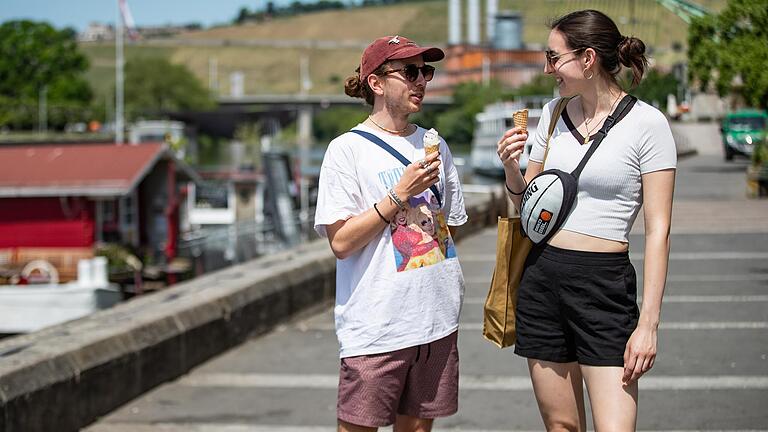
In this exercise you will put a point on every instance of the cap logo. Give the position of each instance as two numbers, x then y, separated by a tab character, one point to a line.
394	40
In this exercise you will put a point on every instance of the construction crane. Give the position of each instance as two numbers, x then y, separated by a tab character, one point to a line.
684	9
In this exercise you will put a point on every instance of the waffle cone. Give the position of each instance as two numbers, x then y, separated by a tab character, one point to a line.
520	119
431	148
431	142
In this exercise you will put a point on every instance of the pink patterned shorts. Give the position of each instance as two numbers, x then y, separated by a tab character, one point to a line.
420	381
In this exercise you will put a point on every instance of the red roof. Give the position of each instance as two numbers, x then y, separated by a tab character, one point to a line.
76	169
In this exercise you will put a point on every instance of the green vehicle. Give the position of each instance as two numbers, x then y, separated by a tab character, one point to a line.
742	130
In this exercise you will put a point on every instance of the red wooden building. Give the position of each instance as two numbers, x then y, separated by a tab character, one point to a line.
59	201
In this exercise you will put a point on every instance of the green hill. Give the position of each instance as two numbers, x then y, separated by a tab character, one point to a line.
333	40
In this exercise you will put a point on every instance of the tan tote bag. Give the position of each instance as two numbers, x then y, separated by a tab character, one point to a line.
512	248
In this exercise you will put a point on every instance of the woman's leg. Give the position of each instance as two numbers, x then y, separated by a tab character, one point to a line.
559	393
614	406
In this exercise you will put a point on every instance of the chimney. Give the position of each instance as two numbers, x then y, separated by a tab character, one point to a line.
473	21
509	31
454	22
492	7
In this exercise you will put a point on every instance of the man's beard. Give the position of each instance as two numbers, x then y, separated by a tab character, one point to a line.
401	107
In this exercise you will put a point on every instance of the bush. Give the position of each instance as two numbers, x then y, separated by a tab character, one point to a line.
332	122
760	153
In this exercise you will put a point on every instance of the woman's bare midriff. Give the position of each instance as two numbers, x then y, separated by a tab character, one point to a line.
582	242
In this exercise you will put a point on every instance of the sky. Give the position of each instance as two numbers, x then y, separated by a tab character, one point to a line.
79	13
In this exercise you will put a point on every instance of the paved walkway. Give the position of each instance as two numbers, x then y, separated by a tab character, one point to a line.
711	373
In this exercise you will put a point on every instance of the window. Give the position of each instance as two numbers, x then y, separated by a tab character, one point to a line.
212	195
129	221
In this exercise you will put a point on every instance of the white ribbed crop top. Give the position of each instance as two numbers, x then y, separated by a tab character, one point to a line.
610	188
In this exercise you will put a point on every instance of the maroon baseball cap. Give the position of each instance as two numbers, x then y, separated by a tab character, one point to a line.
394	48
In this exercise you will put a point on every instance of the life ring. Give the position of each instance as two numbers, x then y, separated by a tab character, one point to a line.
43	267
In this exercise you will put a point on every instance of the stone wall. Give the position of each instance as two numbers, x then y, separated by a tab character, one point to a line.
65	377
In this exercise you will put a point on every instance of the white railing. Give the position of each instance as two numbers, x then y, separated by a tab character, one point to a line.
215	247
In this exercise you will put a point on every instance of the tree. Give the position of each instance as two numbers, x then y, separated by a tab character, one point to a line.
154	86
730	50
249	135
243	15
36	58
332	122
540	85
457	125
655	87
33	55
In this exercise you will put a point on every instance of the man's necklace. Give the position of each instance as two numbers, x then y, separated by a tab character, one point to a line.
392	131
586	121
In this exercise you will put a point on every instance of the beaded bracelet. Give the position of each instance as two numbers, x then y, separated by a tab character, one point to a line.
380	215
395	199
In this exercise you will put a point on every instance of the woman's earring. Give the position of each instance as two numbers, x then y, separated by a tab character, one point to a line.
592	74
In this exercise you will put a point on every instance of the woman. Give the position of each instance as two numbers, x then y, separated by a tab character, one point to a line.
577	317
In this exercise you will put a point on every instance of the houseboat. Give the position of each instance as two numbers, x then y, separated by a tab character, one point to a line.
490	125
40	300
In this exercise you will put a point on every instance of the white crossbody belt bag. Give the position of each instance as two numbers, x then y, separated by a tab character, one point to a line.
548	199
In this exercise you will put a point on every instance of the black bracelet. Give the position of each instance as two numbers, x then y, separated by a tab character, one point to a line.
380	215
514	193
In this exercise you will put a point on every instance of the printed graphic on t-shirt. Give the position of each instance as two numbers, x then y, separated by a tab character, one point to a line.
420	235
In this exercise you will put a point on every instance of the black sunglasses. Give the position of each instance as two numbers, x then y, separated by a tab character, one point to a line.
552	57
411	72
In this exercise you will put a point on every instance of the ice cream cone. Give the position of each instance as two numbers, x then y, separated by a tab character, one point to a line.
431	142
520	119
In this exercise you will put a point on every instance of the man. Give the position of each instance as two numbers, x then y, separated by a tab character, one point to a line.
399	285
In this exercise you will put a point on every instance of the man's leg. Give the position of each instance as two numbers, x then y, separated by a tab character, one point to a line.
406	423
614	406
559	393
349	427
370	387
432	386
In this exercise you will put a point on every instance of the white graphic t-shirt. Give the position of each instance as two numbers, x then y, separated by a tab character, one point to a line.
405	287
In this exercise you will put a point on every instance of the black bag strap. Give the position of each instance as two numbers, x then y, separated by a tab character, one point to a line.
380	142
626	103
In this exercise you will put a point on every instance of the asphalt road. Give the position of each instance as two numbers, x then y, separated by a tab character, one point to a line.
711	372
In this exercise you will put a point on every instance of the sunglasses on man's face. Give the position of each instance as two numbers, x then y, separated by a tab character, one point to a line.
411	72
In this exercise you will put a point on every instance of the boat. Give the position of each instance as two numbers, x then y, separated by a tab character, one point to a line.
28	308
490	125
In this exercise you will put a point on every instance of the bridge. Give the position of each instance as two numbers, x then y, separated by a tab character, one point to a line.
277	110
309	100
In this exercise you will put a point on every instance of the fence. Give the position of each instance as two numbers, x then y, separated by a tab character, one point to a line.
215	247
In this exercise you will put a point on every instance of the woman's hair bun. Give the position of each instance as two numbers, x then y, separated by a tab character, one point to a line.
630	48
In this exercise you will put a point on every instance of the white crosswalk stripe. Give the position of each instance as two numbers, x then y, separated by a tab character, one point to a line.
678	299
677	256
670	278
468	382
693	325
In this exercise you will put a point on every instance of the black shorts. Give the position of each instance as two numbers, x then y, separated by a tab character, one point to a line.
576	306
